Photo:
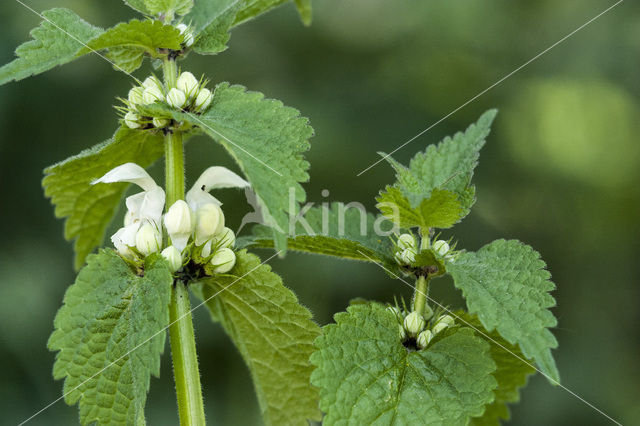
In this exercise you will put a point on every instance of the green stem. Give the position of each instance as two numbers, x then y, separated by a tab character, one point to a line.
183	342
185	360
420	295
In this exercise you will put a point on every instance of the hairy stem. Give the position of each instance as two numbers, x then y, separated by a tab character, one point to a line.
183	343
420	295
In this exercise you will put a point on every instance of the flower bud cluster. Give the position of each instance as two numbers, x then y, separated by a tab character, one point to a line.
189	95
414	325
406	249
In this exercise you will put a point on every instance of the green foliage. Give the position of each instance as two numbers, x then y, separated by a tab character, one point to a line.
274	335
512	372
170	7
266	139
90	208
506	284
448	165
107	337
442	209
128	42
138	5
55	42
348	233
367	376
253	8
213	26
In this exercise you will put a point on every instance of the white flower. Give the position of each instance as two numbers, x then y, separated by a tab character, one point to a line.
131	120
446	319
188	84
439	327
441	247
179	224
424	338
148	239
406	241
223	261
414	323
176	98
152	81
173	256
204	98
406	257
145	206
187	33
135	96
209	222
152	94
225	238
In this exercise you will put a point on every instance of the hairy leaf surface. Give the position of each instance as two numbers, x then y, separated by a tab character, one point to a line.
367	376
138	5
512	372
130	41
254	8
274	335
110	335
180	7
442	209
448	165
506	284
267	140
55	42
212	25
90	208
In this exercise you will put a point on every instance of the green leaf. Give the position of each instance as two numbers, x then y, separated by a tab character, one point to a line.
55	42
442	209
267	140
274	335
212	34
254	8
171	7
448	165
506	284
128	42
512	372
348	232
138	5
90	208
367	376
110	335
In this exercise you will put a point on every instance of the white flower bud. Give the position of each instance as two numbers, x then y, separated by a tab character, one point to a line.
393	310
424	338
152	94
441	247
135	96
226	238
152	81
148	239
131	120
439	327
173	256
187	33
403	334
177	220
204	98
188	84
209	221
428	312
406	241
414	323
446	319
160	122
176	98
206	249
223	261
406	257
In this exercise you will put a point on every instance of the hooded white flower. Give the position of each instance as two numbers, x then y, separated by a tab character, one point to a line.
208	215
142	208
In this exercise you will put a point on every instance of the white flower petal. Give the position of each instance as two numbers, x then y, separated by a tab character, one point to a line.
128	172
152	206
213	178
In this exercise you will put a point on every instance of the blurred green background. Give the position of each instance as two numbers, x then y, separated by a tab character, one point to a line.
560	171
